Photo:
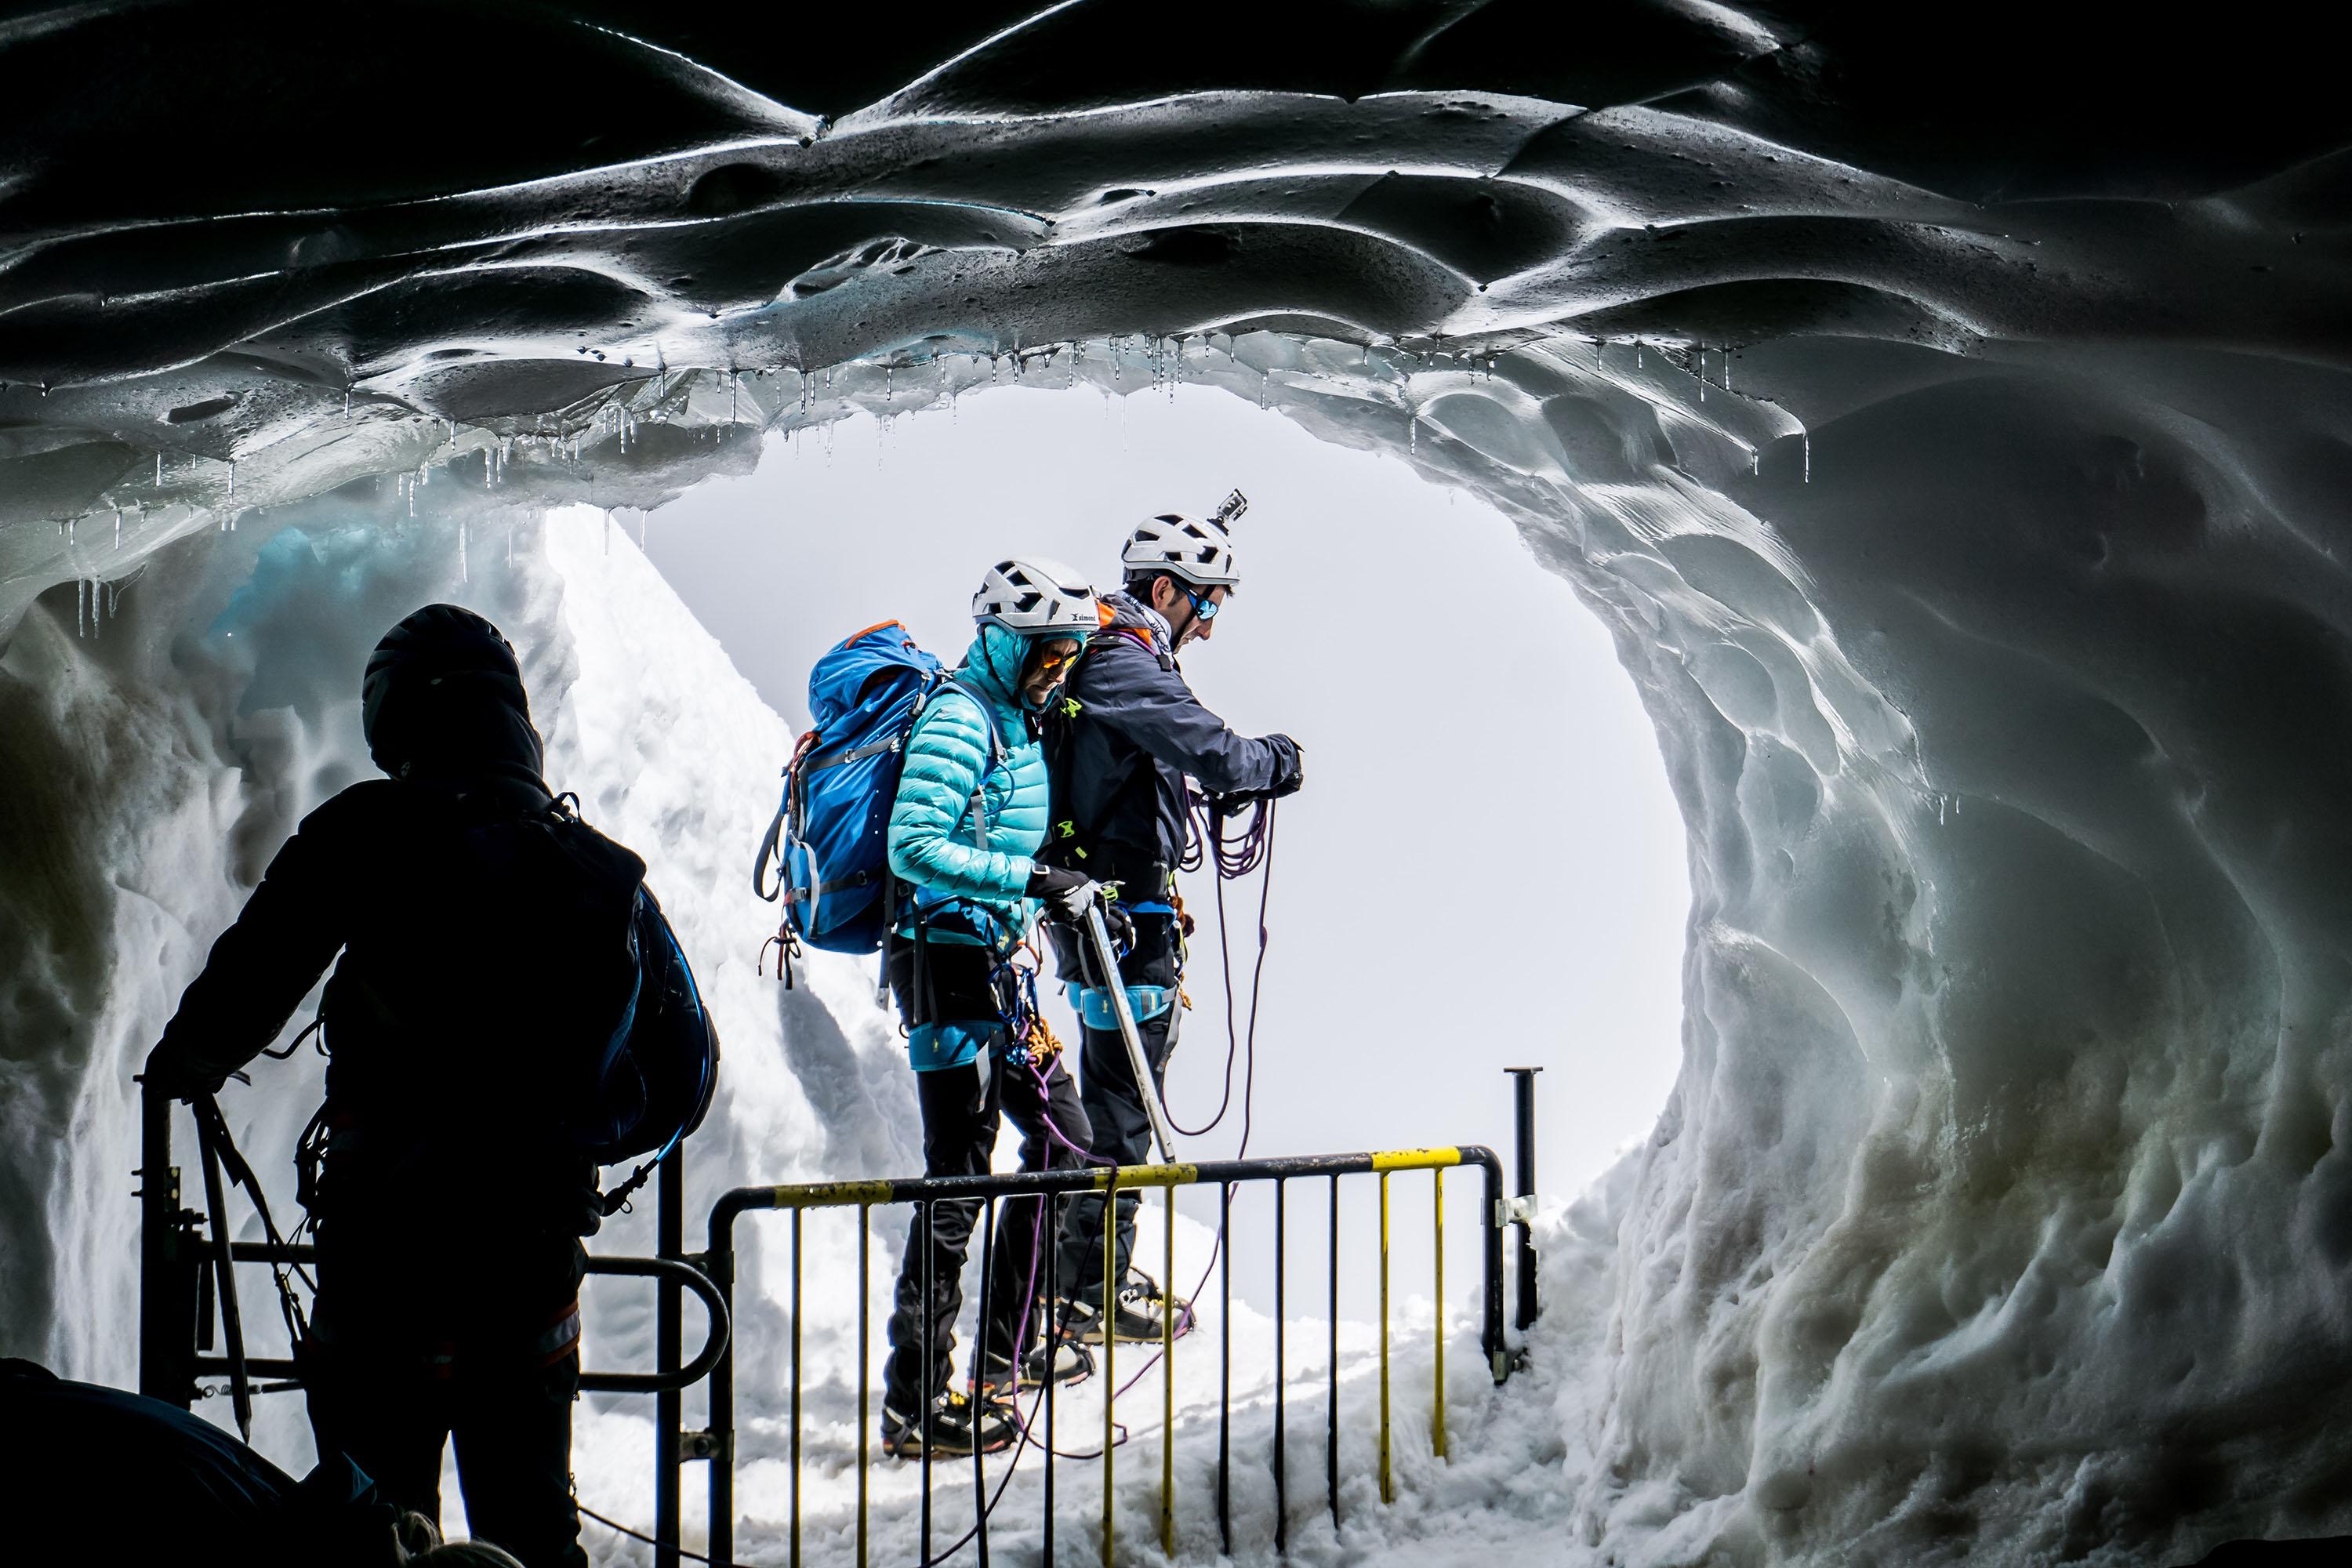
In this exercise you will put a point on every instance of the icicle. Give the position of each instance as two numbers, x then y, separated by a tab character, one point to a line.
1638	361
1808	457
117	528
81	628
1702	375
232	479
347	402
158	471
1412	436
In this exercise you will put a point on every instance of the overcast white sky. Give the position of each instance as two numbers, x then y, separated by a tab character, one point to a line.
1484	867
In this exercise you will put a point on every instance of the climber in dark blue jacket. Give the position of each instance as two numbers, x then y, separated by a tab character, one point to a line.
1122	743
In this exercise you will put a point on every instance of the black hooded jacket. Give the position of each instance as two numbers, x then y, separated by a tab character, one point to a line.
1120	742
432	1100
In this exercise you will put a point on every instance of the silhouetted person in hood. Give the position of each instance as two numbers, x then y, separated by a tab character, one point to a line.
449	1207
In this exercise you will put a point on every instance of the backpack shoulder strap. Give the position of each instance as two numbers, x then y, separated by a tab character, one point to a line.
979	825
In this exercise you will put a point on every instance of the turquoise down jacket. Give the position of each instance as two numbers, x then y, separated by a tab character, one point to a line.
936	847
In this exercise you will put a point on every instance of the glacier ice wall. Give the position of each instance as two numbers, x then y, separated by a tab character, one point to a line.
1951	429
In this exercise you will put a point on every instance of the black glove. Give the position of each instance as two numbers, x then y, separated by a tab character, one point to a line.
1289	771
173	1076
1063	891
1121	926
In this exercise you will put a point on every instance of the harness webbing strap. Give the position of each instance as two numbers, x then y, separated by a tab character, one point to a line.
859	880
856	754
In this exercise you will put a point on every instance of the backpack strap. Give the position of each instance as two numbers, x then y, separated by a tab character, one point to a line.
980	828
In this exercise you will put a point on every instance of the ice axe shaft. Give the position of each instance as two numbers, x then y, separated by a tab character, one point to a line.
1117	992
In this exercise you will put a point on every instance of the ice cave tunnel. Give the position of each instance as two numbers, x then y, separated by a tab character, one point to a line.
1944	407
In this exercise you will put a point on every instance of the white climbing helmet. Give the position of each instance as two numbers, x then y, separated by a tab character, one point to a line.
1037	597
1198	550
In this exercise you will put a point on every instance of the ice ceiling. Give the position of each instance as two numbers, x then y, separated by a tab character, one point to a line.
1945	406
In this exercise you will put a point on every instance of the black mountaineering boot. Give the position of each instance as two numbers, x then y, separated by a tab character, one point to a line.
1071	1362
954	1426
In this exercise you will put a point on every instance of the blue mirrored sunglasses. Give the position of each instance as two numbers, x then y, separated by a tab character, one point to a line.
1203	607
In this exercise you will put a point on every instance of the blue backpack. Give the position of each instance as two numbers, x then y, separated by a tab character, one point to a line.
831	835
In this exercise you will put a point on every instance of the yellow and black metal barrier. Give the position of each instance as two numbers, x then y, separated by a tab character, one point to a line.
1225	1174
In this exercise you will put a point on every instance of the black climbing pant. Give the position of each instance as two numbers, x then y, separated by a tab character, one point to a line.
418	1342
962	1109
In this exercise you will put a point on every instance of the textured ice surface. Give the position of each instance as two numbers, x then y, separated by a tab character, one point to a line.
1947	414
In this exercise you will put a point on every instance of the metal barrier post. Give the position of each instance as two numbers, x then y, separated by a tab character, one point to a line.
1051	1339
669	1405
926	1217
1331	1434
1523	1095
168	1263
1499	1359
1168	1380
1225	1370
720	1262
1387	1488
1437	1409
1109	1345
1281	1377
795	1547
986	1220
865	1366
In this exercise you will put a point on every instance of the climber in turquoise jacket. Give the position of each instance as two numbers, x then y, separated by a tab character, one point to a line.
965	892
965	825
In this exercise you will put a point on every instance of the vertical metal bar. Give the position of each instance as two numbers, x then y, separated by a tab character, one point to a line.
669	1405
926	1215
1052	1339
987	1221
1331	1435
1226	1372
1168	1379
797	1391
1437	1228
1499	1359
1281	1377
721	1266
865	1368
167	1284
1387	1490
1523	1095
1110	1344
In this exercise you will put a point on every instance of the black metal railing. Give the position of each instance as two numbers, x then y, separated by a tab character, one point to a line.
183	1289
720	1263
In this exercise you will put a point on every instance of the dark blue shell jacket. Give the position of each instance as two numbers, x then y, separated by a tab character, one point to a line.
1126	731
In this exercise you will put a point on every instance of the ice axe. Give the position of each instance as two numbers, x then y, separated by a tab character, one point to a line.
1101	931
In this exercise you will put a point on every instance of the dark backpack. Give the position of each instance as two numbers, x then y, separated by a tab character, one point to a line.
627	1054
